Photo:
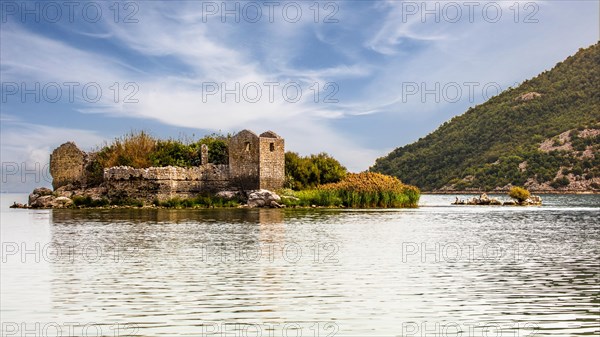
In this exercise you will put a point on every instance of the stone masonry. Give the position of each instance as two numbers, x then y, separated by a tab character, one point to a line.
257	162
164	183
66	165
272	161
244	160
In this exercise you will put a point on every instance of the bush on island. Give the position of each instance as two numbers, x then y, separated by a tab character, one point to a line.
519	193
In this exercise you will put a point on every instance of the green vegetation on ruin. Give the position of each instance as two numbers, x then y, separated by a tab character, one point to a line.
484	147
141	150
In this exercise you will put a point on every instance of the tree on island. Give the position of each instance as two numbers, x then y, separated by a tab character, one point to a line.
312	171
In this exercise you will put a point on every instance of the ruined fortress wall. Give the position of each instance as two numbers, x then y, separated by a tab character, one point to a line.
272	162
164	183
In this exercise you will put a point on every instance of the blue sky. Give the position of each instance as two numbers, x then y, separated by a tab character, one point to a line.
373	75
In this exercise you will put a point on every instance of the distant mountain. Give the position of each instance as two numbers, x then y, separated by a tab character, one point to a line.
544	135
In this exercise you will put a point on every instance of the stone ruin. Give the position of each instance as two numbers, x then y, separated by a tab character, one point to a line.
66	165
255	162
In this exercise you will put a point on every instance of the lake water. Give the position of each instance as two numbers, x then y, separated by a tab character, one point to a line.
438	270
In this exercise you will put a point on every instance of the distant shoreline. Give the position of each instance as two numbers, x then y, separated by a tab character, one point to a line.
444	192
505	192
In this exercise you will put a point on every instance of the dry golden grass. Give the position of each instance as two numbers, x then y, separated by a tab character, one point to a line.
368	182
133	150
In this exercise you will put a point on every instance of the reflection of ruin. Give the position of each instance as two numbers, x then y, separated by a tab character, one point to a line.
270	216
255	162
261	217
272	236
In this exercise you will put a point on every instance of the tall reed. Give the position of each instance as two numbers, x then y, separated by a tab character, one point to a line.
358	190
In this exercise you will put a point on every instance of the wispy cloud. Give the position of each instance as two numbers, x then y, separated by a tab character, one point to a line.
173	53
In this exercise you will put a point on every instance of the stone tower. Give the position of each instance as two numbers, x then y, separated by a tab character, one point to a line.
257	162
271	161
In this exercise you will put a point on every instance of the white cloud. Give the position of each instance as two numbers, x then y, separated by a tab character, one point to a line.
177	99
189	52
504	53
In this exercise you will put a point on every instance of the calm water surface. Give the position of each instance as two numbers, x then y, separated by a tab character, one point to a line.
438	270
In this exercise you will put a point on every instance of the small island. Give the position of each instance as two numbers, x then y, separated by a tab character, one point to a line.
519	196
242	170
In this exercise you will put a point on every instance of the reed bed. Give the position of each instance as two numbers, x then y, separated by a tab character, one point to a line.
358	190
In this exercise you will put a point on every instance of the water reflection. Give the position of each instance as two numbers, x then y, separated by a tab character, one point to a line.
265	216
446	270
228	267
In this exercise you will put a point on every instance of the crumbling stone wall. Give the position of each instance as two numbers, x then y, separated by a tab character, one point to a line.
66	165
165	183
272	161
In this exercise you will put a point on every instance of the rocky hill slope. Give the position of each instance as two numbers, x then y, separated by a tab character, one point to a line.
544	135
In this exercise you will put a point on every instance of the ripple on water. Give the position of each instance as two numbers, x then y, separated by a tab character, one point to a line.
350	273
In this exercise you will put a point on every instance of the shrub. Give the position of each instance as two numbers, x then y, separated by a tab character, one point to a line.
94	173
87	201
577	170
218	151
560	182
133	150
174	153
309	172
519	193
556	142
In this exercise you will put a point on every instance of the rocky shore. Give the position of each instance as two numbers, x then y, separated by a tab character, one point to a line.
484	200
45	198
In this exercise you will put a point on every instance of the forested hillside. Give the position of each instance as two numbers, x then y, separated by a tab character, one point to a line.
544	134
